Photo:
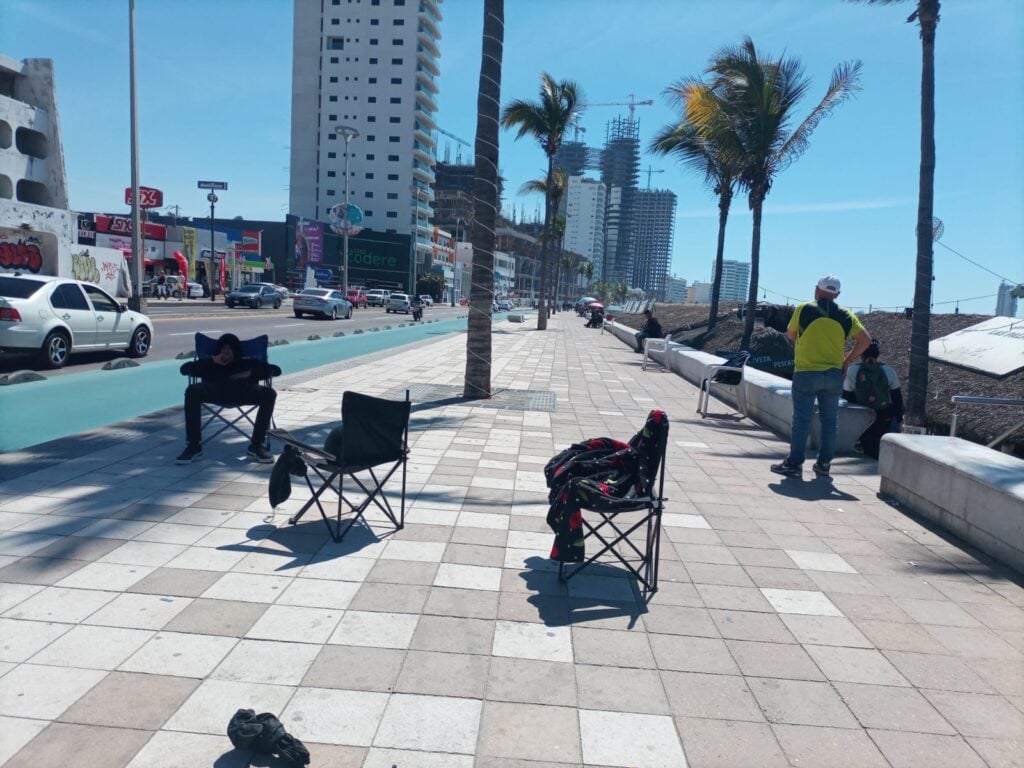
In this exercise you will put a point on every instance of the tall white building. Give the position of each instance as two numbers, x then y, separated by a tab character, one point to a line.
735	280
676	290
584	220
655	212
698	293
1006	302
371	65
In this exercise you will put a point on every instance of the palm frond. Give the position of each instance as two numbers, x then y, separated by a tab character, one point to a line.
844	84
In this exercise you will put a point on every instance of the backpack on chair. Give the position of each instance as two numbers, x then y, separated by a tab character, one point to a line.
872	387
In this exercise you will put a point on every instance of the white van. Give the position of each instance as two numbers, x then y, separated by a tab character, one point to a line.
377	297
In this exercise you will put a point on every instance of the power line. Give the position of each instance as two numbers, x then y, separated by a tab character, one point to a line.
979	266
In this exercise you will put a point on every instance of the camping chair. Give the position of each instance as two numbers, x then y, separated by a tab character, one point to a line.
373	432
640	469
655	345
256	349
728	374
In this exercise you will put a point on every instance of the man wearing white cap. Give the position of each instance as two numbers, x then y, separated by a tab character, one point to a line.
820	329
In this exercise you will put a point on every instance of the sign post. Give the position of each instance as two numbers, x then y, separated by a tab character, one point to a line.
212	198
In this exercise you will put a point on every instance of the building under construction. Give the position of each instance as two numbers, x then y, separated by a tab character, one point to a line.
453	197
620	167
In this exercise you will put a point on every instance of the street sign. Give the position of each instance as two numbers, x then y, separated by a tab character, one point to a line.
148	197
212	197
323	274
213	185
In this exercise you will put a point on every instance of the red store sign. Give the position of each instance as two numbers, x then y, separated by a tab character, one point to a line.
122	225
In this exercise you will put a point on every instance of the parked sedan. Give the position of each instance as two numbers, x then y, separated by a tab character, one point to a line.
322	302
57	317
254	296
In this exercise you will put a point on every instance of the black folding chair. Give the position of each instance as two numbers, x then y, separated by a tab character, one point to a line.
373	432
615	524
255	349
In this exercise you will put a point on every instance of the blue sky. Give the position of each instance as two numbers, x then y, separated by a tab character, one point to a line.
214	94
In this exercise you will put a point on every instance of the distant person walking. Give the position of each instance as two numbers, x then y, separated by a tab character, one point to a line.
875	385
820	329
161	285
650	330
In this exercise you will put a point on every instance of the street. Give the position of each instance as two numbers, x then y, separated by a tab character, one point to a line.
175	324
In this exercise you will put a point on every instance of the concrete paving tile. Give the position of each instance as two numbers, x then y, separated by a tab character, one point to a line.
531	681
212	705
90	745
751	625
890	635
22	639
980	643
217	617
41	692
462	603
443	674
621	690
139	611
780	578
402	572
16	732
947	673
388	758
997	617
941	612
38	570
475	554
488	537
207	559
355	668
692	654
864	606
468	577
909	750
180	654
168	749
612	648
729	744
289	623
422	551
856	665
378	630
895	709
1007	679
703	553
629	740
267	661
249	587
319	593
175	581
530	732
997	753
976	714
825	630
820	561
779	660
334	568
808	603
525	640
429	723
453	635
720	697
92	647
393	598
12	594
834	747
733	598
138	552
129	700
106	576
60	604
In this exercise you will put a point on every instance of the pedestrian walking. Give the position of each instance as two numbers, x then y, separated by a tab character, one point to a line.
161	285
876	386
650	330
820	329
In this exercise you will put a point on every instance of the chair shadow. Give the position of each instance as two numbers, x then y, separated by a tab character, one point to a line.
305	542
818	489
557	606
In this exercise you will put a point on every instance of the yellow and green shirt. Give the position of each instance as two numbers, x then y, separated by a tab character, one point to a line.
822	328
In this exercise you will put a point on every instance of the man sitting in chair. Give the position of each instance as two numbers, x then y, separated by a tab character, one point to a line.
650	330
227	377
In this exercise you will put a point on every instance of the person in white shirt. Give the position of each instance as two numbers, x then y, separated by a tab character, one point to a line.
876	386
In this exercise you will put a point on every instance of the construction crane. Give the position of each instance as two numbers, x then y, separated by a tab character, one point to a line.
447	146
649	170
632	104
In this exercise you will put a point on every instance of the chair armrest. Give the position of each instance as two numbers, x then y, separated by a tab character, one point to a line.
304	448
186	368
275	370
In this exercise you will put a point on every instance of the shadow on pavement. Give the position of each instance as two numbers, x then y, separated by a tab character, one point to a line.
818	489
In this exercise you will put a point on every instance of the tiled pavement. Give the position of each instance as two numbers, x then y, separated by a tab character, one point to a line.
799	623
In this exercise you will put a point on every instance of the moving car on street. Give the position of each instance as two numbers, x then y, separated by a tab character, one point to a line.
427	299
399	302
57	317
377	297
255	296
322	302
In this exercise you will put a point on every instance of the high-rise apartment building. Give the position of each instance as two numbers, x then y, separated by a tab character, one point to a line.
371	66
654	226
584	220
676	290
735	280
620	164
1006	301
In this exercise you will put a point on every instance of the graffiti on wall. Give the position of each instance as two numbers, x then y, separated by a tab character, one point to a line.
83	267
22	253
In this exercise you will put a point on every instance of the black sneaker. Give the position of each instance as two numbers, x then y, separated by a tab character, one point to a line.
787	469
822	469
260	454
190	454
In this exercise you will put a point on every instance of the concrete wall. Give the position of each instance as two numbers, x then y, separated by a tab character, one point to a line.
768	397
967	489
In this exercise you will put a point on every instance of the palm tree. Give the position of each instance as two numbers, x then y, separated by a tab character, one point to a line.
477	384
926	14
700	154
750	119
546	120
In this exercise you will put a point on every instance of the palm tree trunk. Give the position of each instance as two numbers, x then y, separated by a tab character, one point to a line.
477	384
542	314
755	263
724	201
917	380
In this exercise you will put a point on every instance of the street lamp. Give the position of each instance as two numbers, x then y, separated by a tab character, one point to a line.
348	133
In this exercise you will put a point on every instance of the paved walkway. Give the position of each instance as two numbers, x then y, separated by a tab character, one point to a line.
799	622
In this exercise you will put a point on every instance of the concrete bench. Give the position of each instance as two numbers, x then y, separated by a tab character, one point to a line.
516	317
768	397
972	491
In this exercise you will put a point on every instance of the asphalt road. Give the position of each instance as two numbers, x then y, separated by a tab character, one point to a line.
175	324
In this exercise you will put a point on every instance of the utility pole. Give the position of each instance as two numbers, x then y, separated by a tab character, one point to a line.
212	198
348	133
138	302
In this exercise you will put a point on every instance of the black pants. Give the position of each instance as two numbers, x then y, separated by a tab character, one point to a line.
871	439
218	394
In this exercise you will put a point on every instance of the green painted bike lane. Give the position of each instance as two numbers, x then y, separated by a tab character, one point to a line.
41	411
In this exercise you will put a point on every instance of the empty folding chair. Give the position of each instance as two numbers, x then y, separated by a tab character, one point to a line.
728	375
373	432
624	487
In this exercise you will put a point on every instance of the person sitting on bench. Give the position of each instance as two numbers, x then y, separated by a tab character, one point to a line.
650	330
227	378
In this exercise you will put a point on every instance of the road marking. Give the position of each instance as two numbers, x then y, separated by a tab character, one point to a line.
289	325
190	333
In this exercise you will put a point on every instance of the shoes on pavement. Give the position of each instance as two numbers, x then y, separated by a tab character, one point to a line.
260	454
190	454
788	469
822	469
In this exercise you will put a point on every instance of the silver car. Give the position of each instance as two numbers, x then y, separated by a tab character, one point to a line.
57	317
322	302
399	302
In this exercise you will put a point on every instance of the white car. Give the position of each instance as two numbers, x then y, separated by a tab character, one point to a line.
57	317
427	300
399	302
377	297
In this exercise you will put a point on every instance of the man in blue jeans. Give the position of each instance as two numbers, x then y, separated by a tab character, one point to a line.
820	329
